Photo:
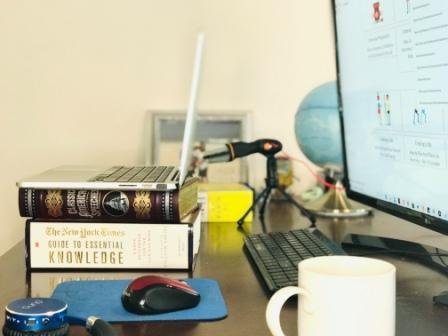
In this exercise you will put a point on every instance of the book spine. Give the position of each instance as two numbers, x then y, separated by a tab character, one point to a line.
108	246
148	206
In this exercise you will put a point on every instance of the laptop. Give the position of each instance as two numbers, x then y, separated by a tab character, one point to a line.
129	178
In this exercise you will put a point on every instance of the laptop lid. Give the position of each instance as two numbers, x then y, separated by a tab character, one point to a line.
190	121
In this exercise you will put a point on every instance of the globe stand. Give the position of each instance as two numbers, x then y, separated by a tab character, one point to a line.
334	203
272	183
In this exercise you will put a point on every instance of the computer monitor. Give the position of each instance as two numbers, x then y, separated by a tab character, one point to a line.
392	73
392	79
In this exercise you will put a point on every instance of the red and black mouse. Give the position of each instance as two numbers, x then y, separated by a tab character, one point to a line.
153	294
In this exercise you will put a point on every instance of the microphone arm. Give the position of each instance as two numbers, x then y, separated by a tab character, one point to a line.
233	150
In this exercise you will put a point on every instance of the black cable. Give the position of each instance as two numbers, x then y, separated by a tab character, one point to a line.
440	258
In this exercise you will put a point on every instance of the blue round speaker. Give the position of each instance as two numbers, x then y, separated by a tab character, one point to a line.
36	316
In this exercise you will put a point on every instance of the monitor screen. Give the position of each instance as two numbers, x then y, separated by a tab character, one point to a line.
393	84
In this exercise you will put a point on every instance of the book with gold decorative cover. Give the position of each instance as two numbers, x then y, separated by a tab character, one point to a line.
87	245
136	205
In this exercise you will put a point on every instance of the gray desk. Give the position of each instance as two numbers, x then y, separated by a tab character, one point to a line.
221	257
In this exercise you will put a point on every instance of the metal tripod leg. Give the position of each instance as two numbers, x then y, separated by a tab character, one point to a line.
265	199
241	220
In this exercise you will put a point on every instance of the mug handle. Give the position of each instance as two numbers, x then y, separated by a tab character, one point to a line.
275	305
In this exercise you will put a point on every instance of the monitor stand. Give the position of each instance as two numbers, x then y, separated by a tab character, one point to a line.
430	256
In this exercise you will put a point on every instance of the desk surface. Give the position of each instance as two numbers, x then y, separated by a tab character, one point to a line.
222	258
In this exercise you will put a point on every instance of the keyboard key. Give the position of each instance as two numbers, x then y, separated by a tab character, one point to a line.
135	174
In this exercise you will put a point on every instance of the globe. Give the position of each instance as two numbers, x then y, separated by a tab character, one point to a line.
318	133
317	126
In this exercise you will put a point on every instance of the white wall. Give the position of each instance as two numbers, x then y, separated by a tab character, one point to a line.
77	77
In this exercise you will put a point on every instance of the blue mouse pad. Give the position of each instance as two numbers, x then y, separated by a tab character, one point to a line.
102	298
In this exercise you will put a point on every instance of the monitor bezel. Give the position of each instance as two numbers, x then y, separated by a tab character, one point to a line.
416	217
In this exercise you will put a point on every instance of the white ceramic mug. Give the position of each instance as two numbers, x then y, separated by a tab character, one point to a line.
340	296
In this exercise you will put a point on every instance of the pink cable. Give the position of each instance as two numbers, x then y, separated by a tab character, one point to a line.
316	176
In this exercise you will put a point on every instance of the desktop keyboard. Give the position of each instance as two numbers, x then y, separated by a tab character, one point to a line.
275	255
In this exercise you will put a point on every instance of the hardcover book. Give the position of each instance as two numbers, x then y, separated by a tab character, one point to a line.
143	205
79	245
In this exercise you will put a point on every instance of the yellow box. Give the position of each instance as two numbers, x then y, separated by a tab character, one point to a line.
225	202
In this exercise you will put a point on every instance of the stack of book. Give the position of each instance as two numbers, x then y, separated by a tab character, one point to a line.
111	229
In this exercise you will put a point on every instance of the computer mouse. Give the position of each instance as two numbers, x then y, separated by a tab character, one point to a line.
153	294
